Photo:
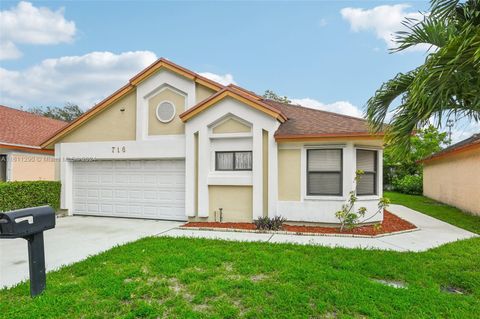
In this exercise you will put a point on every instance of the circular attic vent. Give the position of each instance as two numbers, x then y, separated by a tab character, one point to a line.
165	111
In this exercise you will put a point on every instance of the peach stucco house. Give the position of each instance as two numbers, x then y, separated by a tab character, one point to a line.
452	176
172	144
21	157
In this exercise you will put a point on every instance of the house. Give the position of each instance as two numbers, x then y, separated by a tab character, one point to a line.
172	144
452	176
21	157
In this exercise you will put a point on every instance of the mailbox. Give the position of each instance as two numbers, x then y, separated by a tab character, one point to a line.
29	224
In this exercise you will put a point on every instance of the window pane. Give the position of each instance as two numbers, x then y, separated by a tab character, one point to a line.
366	160
243	160
225	161
366	185
325	160
324	183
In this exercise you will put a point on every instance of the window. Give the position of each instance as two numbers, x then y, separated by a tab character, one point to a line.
324	172
367	162
233	161
165	111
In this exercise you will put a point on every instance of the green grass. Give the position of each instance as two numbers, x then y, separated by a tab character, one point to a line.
185	278
438	210
199	278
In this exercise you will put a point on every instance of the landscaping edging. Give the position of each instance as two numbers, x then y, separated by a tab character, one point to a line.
282	232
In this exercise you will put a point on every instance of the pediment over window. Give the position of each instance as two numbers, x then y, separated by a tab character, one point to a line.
231	124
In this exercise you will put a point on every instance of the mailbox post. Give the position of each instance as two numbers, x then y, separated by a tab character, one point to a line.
29	224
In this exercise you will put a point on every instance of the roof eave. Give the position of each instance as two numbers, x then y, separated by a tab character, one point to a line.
313	137
450	153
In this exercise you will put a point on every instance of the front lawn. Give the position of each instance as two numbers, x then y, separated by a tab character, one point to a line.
199	278
186	278
436	209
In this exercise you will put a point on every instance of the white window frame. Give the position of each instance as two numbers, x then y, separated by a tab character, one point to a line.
379	168
303	174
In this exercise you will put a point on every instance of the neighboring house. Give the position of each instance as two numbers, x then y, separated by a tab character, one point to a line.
21	157
172	144
452	176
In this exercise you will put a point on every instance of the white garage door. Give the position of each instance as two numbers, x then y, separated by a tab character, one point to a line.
141	189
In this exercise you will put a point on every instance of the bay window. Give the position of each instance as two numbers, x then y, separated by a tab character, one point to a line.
367	162
324	172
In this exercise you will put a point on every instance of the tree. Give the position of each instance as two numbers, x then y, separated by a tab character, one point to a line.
446	86
271	95
67	113
397	165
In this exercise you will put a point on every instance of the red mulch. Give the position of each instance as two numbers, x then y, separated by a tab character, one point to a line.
391	223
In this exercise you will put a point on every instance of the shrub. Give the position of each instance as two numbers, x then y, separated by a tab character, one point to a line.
266	223
16	195
348	216
409	184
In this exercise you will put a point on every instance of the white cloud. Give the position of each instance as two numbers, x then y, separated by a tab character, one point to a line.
384	20
9	51
322	22
342	107
463	129
224	79
28	24
83	80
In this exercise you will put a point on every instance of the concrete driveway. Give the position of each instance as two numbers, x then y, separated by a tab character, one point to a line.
75	238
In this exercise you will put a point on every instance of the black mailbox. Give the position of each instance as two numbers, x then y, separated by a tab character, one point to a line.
29	224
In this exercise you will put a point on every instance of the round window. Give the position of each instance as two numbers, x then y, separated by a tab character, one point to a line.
165	111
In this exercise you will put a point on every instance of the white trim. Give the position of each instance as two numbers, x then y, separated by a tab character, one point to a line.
21	145
257	172
368	147
379	175
230	179
258	121
230	135
325	146
161	80
160	148
190	174
345	173
203	164
9	170
173	114
227	117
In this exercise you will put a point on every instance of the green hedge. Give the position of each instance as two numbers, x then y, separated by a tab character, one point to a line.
16	195
409	184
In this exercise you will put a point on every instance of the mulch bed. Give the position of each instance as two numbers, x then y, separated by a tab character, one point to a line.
391	223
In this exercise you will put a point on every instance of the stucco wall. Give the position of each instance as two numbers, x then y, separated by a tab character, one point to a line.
455	180
111	124
289	175
202	92
32	167
231	126
236	202
176	126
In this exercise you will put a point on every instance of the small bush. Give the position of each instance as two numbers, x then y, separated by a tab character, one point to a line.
409	184
17	195
266	223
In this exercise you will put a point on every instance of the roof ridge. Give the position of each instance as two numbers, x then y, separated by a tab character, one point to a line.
317	110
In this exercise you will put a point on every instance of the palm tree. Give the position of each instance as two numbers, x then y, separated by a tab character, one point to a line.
446	86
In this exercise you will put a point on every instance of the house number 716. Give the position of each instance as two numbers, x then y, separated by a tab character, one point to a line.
118	149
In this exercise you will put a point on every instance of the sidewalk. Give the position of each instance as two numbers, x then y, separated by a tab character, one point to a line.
431	233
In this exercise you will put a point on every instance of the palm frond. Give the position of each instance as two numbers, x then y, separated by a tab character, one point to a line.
427	31
378	105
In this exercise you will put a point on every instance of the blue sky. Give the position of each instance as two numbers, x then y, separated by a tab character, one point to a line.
326	54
